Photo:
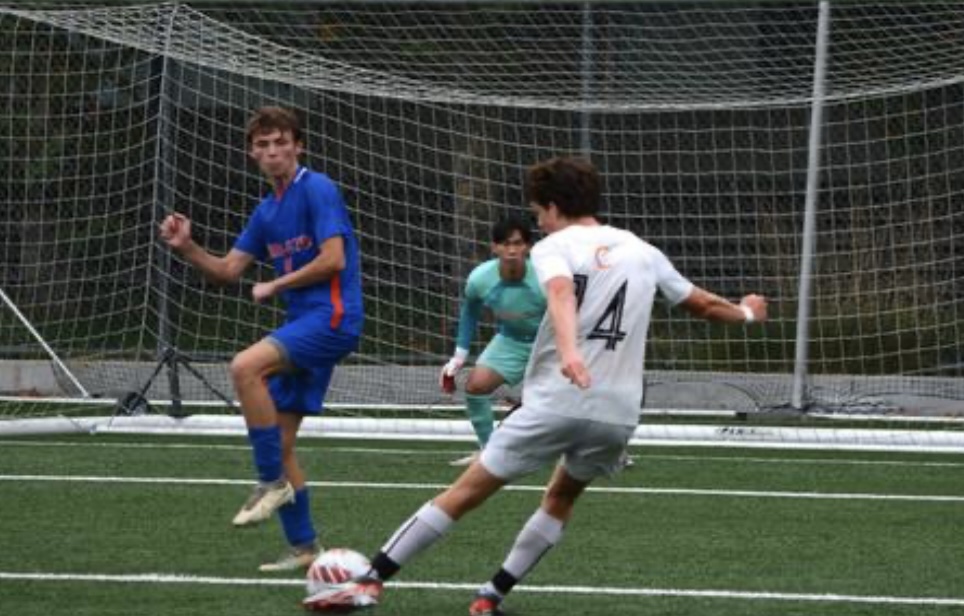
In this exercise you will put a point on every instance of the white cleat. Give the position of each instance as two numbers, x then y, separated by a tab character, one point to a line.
264	501
299	557
625	461
348	597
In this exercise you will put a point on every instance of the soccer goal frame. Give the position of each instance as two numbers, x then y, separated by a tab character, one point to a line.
766	148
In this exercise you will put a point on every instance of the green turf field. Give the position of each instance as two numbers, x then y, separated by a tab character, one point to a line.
99	525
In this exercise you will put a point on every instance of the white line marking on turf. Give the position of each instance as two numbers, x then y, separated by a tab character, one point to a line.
163	578
390	451
245	447
828	461
511	488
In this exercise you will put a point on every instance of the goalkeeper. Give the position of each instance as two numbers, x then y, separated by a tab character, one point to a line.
507	286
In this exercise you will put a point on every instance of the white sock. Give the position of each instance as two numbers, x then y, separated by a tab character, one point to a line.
417	533
540	533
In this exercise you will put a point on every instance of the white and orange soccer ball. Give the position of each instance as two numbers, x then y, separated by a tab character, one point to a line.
333	567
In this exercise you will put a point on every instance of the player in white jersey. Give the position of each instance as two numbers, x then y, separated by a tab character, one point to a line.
583	383
614	277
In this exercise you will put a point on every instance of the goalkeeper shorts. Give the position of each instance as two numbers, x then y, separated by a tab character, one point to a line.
506	356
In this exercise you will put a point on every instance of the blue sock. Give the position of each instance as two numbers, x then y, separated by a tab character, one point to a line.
296	520
266	445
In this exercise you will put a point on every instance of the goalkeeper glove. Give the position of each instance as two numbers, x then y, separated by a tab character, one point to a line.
447	378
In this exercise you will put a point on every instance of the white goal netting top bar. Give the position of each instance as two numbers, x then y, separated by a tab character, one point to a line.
610	57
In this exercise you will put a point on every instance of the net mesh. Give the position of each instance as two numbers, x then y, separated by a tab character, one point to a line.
427	116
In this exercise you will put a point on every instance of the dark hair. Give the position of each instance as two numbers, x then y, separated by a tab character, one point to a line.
267	119
572	184
503	229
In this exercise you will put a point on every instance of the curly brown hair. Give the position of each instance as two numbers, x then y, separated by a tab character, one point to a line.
572	184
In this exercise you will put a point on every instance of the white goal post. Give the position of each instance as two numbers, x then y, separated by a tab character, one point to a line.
809	151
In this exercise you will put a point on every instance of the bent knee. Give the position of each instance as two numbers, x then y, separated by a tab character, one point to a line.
242	368
257	362
473	388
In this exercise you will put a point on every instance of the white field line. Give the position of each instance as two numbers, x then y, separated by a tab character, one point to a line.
390	451
363	485
241	447
162	578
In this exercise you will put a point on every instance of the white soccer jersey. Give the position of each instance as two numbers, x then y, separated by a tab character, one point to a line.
616	276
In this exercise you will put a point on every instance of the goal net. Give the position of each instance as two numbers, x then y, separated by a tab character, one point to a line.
427	114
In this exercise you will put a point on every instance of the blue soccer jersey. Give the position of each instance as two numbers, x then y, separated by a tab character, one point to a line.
290	231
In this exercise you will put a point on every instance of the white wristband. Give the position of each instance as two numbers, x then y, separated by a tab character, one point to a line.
747	313
460	353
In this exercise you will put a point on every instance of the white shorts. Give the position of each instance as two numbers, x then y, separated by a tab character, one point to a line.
528	441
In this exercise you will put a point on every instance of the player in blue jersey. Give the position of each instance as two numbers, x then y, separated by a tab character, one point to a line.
302	228
507	286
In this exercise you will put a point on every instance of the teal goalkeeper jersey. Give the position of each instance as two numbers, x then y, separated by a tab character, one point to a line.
517	306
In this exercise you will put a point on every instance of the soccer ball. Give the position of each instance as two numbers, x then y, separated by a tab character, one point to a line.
335	566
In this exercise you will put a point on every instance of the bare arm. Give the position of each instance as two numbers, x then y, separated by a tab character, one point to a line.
219	270
330	261
561	300
176	231
705	305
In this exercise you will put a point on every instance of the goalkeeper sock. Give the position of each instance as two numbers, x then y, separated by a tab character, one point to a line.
418	533
266	446
537	537
480	415
296	520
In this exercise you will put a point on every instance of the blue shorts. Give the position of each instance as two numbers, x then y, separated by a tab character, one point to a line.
311	348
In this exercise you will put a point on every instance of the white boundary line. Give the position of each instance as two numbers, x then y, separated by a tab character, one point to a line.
509	488
456	451
165	578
